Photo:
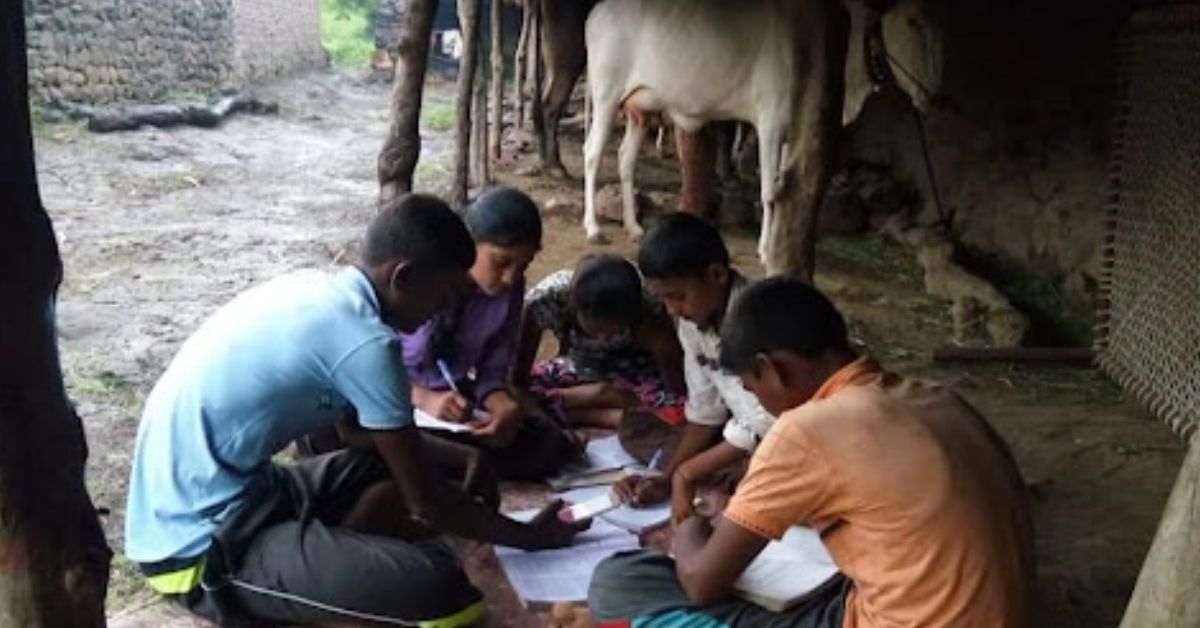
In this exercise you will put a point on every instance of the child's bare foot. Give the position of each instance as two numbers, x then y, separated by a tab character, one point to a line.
565	615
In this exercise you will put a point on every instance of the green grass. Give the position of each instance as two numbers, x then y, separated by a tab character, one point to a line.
438	116
346	32
1059	318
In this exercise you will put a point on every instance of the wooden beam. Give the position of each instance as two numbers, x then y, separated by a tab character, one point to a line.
402	149
53	556
468	19
1063	356
519	63
496	126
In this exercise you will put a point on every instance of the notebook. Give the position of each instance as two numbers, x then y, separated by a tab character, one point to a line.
787	571
635	520
604	462
562	575
430	422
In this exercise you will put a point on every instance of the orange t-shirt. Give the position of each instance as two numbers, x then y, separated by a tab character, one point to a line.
917	499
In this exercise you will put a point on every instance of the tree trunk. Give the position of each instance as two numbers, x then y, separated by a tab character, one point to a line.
536	72
468	19
480	175
810	155
1165	594
519	65
53	555
497	85
402	149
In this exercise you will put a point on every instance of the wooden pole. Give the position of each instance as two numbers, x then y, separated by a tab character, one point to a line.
1165	595
497	61
480	175
1062	356
402	149
536	72
468	19
809	159
53	556
519	65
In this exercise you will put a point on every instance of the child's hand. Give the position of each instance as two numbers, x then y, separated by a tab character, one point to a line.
683	492
447	406
504	421
550	532
643	490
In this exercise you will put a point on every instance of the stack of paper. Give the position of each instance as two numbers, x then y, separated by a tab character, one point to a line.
636	520
787	571
562	575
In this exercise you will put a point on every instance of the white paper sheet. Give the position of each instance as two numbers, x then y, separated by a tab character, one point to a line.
562	575
636	520
786	571
428	421
601	464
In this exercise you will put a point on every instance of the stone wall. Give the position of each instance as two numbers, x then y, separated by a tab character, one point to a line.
1020	144
96	51
276	37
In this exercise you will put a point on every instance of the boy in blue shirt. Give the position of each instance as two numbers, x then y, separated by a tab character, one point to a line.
217	526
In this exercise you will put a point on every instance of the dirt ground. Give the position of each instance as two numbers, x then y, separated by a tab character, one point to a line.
158	228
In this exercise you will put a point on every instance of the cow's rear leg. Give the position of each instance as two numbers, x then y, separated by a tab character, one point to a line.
770	147
635	133
558	93
603	112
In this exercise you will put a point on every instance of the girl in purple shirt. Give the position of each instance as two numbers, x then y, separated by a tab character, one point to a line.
475	338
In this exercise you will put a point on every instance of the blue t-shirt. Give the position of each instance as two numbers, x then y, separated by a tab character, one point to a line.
281	360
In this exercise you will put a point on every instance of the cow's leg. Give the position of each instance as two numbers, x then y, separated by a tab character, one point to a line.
558	93
635	132
770	146
603	112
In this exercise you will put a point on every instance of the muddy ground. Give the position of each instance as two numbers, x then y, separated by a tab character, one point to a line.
158	228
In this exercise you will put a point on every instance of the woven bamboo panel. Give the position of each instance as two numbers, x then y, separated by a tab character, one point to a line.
1149	329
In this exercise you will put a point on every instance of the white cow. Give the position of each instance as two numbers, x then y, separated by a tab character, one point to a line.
702	60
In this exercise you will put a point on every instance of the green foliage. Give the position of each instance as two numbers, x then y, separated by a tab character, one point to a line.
346	30
439	116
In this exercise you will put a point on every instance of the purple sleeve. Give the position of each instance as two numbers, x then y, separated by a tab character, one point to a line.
498	355
413	346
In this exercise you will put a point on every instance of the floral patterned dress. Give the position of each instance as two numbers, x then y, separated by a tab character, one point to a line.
585	359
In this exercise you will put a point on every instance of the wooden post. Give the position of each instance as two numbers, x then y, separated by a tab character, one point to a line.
519	65
468	18
53	556
1165	594
536	72
402	149
808	161
480	172
497	85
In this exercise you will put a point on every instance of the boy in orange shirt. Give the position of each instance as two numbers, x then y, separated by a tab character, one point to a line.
917	499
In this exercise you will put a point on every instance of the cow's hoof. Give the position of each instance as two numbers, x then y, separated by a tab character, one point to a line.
635	235
556	172
597	239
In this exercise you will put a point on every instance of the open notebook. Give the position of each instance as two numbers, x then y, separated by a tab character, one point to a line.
562	575
787	571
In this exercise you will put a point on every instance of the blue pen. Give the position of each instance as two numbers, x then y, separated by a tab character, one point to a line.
447	375
655	460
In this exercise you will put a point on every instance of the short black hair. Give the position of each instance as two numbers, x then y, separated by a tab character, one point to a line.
420	229
681	245
780	314
607	288
504	216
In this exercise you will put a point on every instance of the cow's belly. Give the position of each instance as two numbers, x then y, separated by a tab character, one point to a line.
689	110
